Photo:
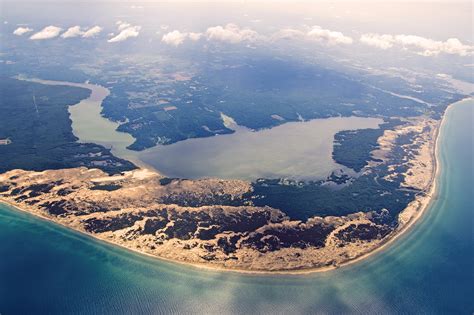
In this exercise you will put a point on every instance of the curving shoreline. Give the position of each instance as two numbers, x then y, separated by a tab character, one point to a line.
418	208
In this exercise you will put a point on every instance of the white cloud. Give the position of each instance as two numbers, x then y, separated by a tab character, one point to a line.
288	33
126	31
316	33
432	47
231	33
421	45
71	32
455	46
47	33
22	30
174	38
376	40
92	32
122	25
330	37
76	31
195	36
382	41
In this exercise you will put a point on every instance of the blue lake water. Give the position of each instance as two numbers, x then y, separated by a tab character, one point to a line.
298	150
45	268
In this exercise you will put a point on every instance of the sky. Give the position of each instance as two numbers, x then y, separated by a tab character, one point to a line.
432	30
436	20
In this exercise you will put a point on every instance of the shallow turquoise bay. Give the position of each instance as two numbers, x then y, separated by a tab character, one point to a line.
45	268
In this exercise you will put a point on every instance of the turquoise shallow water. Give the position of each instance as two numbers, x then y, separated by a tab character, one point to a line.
45	268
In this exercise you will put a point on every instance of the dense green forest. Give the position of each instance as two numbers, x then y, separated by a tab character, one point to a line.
35	120
367	192
352	148
252	94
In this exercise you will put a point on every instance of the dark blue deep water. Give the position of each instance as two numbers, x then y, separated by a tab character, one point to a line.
45	268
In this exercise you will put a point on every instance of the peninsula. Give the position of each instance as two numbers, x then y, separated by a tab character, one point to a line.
225	224
90	178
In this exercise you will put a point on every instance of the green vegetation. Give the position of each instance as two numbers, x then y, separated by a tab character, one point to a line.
109	187
36	120
252	92
153	124
352	148
368	192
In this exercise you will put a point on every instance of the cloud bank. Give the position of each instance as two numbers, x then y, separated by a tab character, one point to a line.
330	37
126	31
47	33
195	36
376	40
231	33
315	33
76	31
92	32
288	33
176	38
72	32
421	45
22	30
122	25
